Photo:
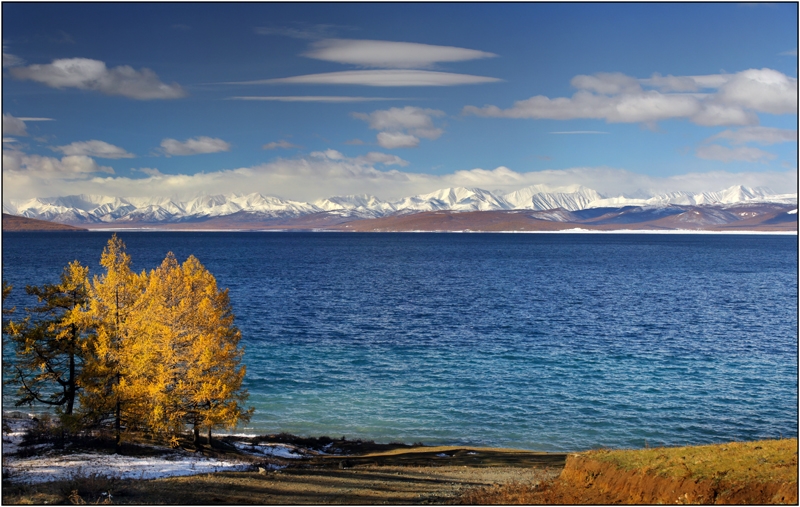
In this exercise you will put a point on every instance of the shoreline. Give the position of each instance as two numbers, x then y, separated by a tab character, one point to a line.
464	231
268	470
43	460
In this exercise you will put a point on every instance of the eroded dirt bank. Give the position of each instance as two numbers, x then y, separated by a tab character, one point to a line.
589	481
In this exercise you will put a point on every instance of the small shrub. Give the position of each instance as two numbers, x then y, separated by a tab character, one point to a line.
90	489
42	430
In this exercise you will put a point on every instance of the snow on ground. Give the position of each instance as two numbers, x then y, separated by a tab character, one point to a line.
52	466
13	437
267	449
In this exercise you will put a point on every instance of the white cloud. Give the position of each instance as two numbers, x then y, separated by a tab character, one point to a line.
94	148
328	173
13	126
10	60
87	74
650	106
150	171
388	54
764	90
369	159
380	78
280	144
392	140
315	98
672	83
761	135
791	52
194	146
606	83
67	168
375	157
725	154
713	114
417	120
617	98
328	154
402	127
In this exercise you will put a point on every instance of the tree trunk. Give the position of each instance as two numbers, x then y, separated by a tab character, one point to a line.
118	425
71	380
117	422
196	436
209	436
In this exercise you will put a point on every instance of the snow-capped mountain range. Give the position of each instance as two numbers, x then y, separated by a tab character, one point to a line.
89	209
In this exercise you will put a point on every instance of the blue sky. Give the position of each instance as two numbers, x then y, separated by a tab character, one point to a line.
304	101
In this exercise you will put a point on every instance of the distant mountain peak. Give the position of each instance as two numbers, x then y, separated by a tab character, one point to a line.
87	209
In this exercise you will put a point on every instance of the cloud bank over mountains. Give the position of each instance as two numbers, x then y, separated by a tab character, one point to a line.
321	174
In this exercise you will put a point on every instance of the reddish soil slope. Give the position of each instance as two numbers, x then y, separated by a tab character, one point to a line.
588	481
13	223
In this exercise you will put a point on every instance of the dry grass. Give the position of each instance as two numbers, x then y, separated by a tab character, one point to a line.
761	461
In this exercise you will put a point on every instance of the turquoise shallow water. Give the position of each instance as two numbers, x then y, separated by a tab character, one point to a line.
539	341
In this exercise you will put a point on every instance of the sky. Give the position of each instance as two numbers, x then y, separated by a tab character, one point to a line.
304	101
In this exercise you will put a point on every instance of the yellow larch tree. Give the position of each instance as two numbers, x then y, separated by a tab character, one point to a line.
114	300
187	355
157	351
210	389
158	354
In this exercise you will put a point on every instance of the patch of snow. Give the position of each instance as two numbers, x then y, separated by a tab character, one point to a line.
48	466
17	428
60	467
793	212
275	450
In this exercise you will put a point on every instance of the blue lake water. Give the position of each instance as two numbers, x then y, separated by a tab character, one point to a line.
539	341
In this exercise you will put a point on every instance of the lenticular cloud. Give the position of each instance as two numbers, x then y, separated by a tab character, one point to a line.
388	54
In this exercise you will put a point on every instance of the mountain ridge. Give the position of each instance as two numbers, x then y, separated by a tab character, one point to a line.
86	209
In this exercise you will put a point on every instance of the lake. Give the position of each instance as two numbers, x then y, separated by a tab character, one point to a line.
554	342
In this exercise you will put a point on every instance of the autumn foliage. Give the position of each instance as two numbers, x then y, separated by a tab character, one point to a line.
152	352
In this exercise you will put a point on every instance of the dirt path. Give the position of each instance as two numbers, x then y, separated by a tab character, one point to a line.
368	484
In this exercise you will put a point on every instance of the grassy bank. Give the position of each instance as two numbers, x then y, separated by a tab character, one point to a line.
761	472
762	461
